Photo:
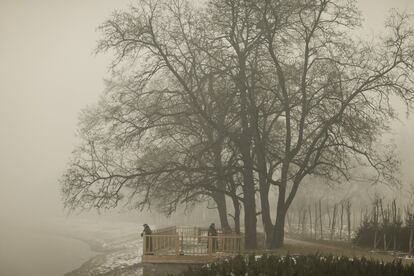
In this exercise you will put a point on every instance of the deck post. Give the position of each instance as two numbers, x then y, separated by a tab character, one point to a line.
177	241
209	245
182	244
144	245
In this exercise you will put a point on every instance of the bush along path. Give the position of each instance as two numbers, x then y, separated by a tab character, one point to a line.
385	228
312	265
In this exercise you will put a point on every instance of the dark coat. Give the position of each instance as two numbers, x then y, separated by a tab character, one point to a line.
148	239
147	231
214	242
212	231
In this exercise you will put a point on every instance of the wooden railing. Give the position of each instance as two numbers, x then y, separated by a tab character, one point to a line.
165	231
225	243
190	241
160	244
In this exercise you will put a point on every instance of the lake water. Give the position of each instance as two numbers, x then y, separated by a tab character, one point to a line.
26	253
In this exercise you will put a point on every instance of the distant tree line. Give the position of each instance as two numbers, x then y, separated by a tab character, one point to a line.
322	220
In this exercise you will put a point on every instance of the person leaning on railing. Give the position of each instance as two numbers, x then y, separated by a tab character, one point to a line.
146	233
212	232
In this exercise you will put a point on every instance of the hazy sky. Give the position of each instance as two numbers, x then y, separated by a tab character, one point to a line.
48	73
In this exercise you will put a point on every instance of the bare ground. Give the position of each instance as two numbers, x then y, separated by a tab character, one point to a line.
302	247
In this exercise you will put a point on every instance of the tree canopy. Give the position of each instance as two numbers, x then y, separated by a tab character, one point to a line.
233	97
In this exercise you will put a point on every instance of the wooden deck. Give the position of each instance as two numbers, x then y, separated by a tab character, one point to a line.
188	245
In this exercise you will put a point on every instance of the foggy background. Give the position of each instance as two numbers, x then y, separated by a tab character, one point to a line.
48	73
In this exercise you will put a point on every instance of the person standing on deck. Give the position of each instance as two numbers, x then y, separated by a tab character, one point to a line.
212	232
148	239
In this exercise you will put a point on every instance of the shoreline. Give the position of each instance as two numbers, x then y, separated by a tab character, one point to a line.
120	257
107	247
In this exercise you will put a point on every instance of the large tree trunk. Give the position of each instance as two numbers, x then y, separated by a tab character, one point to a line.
245	145
267	222
249	192
236	205
220	200
249	202
250	220
220	196
279	229
264	185
278	234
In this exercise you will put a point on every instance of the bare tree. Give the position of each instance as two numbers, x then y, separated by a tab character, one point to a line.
341	221
348	215
280	90
410	223
334	92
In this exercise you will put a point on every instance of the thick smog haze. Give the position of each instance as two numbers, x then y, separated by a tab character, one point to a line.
49	72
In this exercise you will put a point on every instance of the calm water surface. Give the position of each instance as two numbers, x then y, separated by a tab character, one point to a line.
26	253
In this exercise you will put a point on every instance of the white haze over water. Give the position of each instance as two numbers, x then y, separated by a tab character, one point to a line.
24	253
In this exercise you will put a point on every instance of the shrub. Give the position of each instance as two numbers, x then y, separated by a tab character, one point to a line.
365	236
310	265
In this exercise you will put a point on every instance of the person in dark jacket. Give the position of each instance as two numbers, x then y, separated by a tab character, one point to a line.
212	232
146	234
